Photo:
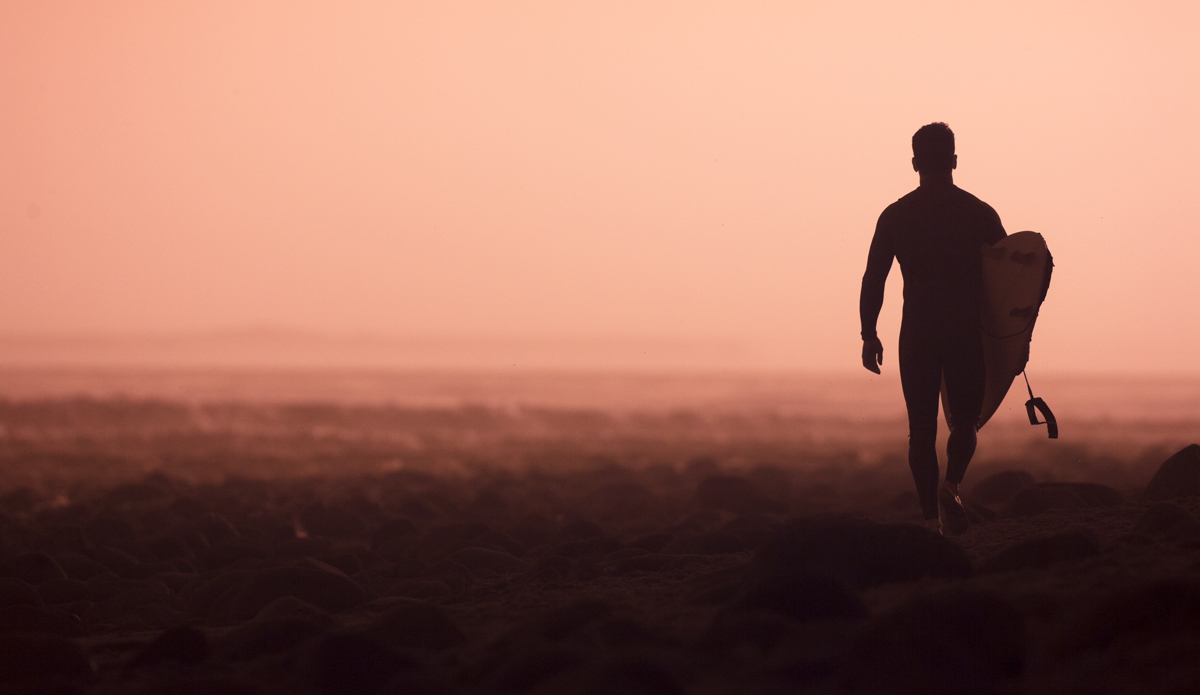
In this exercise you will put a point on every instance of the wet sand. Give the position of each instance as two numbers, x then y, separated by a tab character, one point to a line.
155	545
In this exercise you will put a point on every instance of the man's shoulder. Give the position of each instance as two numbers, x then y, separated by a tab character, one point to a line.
901	206
971	200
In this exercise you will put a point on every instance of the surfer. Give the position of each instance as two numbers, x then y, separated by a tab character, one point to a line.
935	233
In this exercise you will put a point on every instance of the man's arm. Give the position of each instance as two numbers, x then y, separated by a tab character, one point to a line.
870	301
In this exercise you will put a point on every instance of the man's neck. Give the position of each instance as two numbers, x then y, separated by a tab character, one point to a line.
939	179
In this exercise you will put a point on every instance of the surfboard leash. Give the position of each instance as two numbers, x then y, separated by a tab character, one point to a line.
1035	405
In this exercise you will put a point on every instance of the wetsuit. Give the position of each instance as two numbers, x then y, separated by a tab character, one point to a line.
936	233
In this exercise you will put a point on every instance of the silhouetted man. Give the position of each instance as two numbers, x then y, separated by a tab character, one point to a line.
936	233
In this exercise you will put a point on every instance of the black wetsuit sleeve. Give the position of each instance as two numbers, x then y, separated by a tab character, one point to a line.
879	263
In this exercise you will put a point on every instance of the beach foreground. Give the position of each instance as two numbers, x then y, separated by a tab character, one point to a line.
148	546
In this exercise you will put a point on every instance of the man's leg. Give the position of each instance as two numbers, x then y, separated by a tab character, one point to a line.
960	448
921	377
965	376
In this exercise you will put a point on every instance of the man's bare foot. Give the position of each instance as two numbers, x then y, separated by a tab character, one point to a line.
951	513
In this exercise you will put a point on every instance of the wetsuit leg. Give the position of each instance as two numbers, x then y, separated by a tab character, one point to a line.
921	377
965	377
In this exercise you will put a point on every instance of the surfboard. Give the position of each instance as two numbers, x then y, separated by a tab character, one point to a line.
1016	274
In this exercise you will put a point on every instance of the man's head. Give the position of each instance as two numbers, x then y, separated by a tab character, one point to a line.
933	149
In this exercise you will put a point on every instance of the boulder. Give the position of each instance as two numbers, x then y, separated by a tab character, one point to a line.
353	664
327	590
14	591
25	658
803	597
961	642
25	618
1040	553
1178	476
999	488
1169	520
181	645
260	637
290	607
31	568
415	626
1038	500
860	553
476	559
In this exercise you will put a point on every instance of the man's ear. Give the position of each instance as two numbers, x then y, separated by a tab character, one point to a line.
954	161
915	167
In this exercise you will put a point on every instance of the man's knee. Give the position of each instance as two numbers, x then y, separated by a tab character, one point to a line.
964	423
922	432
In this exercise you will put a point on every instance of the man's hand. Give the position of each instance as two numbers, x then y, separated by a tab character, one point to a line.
872	354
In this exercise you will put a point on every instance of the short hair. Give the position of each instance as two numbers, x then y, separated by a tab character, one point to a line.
933	146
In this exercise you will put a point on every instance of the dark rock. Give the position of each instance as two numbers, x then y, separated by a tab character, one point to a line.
346	562
1178	476
290	607
561	622
628	677
476	559
254	639
415	626
110	528
216	529
803	597
711	543
1093	495
1169	520
329	591
962	643
224	553
117	561
999	488
104	588
1042	552
14	591
354	665
979	514
169	547
29	619
420	589
78	566
200	601
142	608
753	529
31	568
181	645
63	590
582	529
391	530
653	542
762	629
1146	614
735	494
1038	499
331	521
652	562
860	553
597	545
529	670
24	658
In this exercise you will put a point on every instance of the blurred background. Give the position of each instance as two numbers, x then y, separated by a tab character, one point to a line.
532	188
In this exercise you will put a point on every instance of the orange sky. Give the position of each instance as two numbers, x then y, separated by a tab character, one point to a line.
669	171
